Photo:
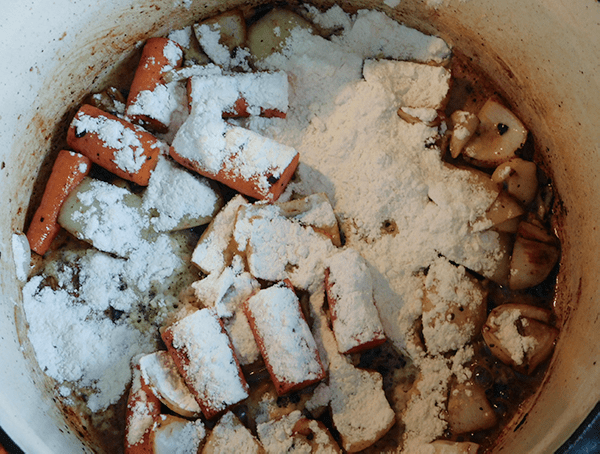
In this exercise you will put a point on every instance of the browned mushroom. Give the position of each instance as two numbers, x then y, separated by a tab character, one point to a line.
453	309
469	409
315	434
520	335
465	125
454	447
499	135
534	255
504	208
520	178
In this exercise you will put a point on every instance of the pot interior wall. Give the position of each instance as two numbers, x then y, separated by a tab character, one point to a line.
543	58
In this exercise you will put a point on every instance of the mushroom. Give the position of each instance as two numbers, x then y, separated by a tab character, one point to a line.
426	115
454	307
534	255
469	409
163	378
315	434
499	135
454	447
501	271
520	178
520	336
465	125
508	226
504	208
476	177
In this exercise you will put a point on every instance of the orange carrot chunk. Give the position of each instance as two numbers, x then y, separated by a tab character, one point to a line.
241	109
143	409
115	144
68	171
148	94
204	356
354	317
284	338
260	93
244	160
265	185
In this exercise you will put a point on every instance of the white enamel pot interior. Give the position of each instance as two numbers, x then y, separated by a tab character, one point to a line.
543	56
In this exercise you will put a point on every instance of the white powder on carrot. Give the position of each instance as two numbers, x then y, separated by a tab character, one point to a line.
21	255
128	150
354	315
289	347
212	370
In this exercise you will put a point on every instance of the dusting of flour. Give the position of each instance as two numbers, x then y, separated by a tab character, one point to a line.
399	206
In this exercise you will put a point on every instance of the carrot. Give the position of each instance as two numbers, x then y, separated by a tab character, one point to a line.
368	340
249	187
159	55
243	167
68	171
272	86
143	409
198	371
275	365
115	144
240	109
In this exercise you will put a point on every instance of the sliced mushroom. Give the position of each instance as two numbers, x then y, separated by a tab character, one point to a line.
520	178
454	307
454	447
230	435
192	53
503	209
520	336
499	135
508	226
110	100
501	272
425	115
477	178
165	381
543	201
465	125
534	255
230	25
468	409
315	434
315	211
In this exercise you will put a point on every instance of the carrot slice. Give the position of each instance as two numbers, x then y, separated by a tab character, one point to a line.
143	409
354	317
250	187
260	93
284	338
68	171
204	356
240	109
159	56
115	144
243	166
